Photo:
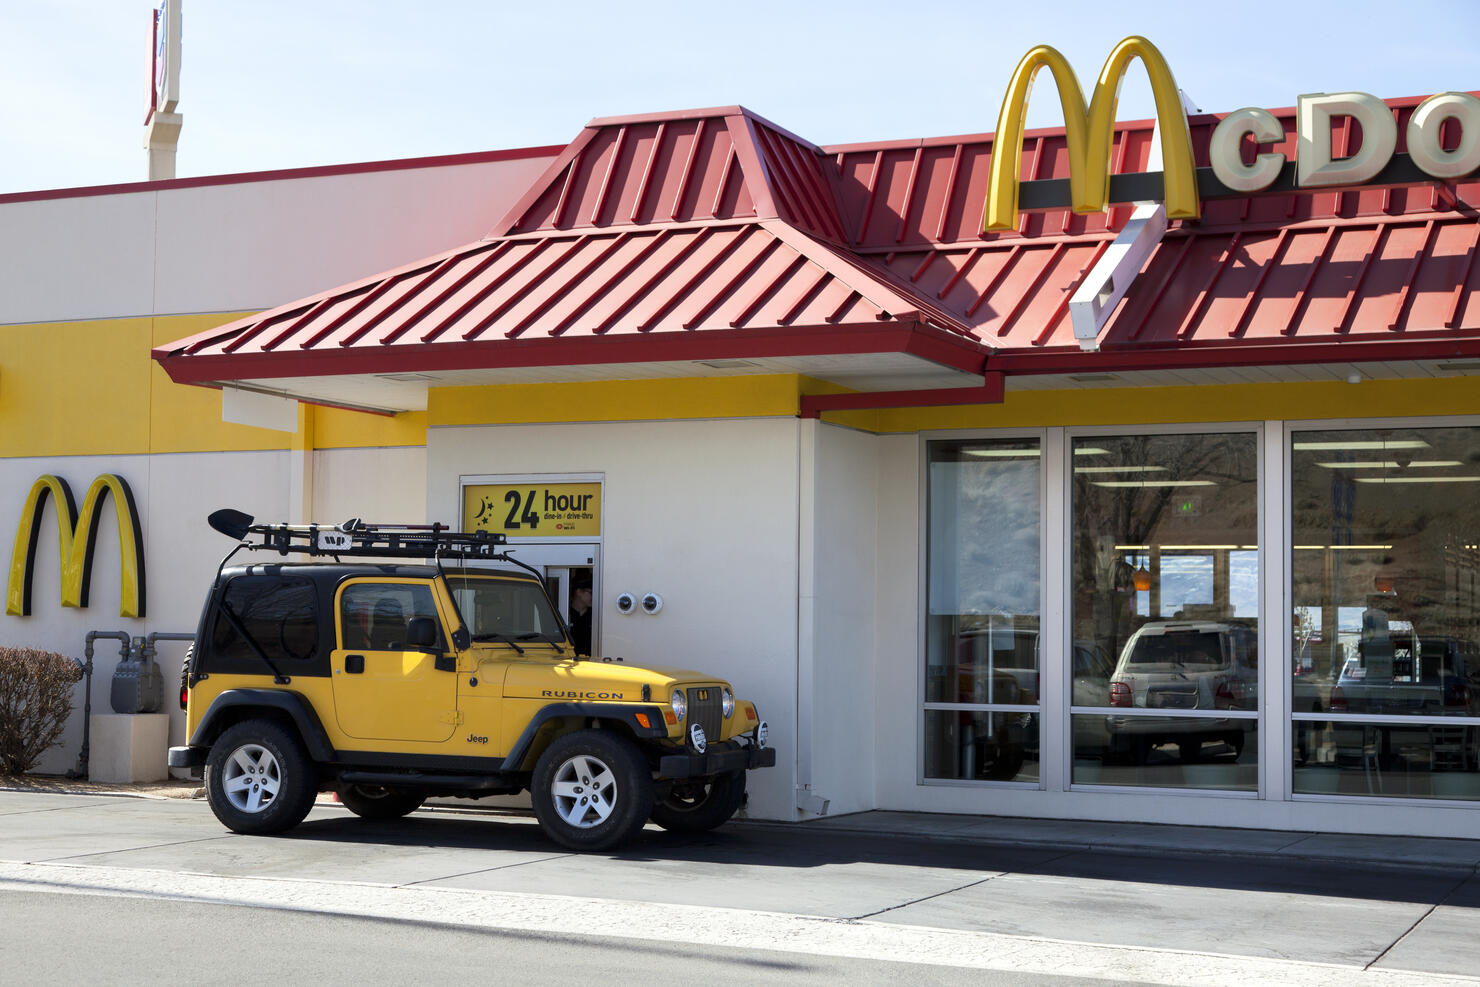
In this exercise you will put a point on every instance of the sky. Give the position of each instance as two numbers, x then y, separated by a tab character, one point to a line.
319	82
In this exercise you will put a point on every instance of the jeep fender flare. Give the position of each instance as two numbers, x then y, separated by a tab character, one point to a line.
623	713
293	704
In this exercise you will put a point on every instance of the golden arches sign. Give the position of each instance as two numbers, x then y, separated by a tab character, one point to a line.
1089	132
76	539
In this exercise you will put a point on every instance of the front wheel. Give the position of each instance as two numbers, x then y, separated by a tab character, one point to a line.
698	806
375	802
259	779
591	790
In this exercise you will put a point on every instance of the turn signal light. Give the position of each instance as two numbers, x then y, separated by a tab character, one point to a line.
184	697
750	712
643	719
670	716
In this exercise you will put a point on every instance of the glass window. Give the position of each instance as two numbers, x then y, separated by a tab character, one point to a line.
982	661
1385	577
374	616
281	615
504	609
1165	570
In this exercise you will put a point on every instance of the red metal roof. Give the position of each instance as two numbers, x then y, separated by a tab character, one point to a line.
716	233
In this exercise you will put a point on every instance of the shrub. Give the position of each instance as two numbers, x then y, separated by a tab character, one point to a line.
35	701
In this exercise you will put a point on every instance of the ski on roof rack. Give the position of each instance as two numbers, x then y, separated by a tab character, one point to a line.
356	538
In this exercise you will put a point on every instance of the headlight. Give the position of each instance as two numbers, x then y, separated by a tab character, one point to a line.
679	703
727	703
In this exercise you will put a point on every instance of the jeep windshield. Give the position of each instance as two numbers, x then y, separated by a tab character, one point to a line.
506	611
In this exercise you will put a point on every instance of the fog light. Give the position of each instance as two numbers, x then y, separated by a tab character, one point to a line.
762	732
697	740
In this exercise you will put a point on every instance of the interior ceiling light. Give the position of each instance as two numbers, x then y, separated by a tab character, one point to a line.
1120	469
1416	464
1367	444
727	364
1457	368
1001	453
1342	548
1203	548
1091	451
1418	479
1092	378
1141	579
407	377
1157	483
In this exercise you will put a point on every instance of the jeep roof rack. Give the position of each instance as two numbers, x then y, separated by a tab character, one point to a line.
356	538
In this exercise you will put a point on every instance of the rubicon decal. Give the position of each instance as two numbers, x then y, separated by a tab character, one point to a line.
559	694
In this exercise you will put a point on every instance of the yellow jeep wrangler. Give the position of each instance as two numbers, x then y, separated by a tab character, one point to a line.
389	682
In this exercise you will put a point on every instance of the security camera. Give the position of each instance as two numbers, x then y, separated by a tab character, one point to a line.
626	603
651	603
1403	459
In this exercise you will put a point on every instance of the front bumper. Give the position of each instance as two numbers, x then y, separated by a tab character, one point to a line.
715	761
188	757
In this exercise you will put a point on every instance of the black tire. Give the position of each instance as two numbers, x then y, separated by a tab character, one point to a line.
700	805
1190	751
374	802
591	790
1236	741
245	756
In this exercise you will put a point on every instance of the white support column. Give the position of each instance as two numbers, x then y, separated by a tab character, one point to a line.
300	468
1274	622
1055	652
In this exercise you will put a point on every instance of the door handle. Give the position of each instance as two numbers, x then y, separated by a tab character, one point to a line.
354	664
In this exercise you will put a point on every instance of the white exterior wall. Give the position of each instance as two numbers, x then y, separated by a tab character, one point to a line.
242	246
702	512
173	495
839	642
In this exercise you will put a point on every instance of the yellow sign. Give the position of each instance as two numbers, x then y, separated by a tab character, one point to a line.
76	539
1089	133
534	510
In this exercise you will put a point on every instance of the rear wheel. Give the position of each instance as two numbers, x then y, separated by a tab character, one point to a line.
700	805
258	778
591	790
375	802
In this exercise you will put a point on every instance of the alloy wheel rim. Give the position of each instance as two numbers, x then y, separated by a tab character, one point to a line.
584	791
251	778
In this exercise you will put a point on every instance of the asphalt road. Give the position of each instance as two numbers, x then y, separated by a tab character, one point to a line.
745	900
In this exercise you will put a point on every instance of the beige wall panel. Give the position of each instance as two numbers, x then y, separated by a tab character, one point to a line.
704	513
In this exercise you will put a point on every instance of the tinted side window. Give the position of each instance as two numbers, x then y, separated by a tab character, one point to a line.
373	616
281	615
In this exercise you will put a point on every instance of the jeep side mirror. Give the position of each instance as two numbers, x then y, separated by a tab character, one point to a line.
421	632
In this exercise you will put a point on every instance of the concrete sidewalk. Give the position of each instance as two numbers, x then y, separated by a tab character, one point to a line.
1093	900
1007	831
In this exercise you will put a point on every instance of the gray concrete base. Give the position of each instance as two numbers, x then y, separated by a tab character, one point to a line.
129	747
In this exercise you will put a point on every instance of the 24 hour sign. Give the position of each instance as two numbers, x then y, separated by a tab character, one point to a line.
534	510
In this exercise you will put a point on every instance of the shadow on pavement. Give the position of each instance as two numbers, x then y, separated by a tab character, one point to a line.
788	848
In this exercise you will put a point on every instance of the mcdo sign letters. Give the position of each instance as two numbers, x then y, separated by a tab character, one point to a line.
1089	133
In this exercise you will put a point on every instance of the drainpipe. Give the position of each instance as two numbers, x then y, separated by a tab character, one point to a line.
87	671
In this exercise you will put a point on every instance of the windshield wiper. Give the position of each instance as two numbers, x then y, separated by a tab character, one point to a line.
500	638
541	636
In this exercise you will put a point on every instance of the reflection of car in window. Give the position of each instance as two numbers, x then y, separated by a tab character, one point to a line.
1184	665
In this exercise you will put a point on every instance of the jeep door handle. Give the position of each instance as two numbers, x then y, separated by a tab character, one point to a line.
354	664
